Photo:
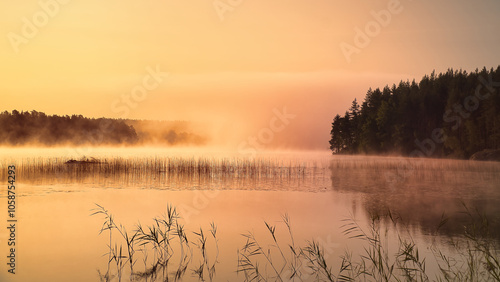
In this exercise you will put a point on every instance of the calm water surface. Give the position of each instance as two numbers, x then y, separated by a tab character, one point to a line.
58	240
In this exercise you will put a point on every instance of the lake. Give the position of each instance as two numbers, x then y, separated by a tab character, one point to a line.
323	196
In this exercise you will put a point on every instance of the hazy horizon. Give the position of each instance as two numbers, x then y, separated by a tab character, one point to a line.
232	67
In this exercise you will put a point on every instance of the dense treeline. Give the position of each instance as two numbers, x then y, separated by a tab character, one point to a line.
453	114
37	128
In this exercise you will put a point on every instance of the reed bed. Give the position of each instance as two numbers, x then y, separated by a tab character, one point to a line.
36	168
160	170
201	166
349	173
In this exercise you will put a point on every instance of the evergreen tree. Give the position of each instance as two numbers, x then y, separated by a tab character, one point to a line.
399	118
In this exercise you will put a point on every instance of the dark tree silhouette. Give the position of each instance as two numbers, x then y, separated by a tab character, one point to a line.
35	128
462	108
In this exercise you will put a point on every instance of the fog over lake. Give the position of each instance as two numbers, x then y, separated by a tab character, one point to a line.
59	238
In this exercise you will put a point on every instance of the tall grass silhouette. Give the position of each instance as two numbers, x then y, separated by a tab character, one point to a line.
163	247
167	253
129	170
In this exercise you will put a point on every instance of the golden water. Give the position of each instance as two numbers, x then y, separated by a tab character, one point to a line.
58	240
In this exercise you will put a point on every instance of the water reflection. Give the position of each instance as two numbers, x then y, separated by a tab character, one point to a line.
424	192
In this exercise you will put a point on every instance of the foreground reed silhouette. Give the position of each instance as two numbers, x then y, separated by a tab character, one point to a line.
162	245
167	253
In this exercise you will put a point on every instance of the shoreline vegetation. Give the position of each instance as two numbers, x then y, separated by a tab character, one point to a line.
453	115
53	168
165	250
170	172
33	168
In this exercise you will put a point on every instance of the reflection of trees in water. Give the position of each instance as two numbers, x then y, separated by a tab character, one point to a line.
423	197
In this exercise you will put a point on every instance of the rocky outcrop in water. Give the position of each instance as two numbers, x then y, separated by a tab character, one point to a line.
84	161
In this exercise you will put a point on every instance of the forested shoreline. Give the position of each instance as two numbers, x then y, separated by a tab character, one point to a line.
452	114
36	128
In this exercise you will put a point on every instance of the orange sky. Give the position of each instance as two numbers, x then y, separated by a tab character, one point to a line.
231	67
